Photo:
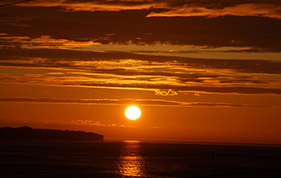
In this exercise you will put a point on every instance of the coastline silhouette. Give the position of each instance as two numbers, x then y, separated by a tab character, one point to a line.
28	133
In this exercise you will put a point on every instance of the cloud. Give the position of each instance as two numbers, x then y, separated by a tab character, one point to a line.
44	41
93	5
166	8
141	102
99	124
206	89
169	92
161	74
114	61
112	83
257	32
250	9
88	122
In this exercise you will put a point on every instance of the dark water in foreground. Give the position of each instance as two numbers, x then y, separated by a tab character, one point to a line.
136	159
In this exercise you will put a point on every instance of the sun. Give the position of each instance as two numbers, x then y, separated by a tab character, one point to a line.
132	112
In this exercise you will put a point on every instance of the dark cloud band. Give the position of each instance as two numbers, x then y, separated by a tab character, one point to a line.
152	102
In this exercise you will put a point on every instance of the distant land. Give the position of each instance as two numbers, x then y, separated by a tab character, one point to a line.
28	133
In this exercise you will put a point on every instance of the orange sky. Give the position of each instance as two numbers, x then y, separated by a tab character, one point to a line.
204	71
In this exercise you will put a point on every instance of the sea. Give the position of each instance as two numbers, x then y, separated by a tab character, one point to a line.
137	159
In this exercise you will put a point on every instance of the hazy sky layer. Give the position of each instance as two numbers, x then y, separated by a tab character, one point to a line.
200	70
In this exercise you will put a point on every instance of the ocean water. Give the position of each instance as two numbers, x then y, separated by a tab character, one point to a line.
136	159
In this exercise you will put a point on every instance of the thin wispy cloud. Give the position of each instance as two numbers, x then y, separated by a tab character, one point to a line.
259	10
99	124
141	102
169	92
44	41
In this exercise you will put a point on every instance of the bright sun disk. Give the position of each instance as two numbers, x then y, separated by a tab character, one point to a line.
133	112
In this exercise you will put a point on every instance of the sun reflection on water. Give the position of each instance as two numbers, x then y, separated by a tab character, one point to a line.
131	163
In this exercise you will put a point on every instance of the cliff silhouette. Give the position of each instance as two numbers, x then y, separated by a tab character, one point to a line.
28	133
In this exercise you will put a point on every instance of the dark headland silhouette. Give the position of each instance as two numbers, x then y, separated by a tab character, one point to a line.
28	133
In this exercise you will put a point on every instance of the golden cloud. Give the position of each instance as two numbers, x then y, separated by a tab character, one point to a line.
45	41
260	10
182	9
